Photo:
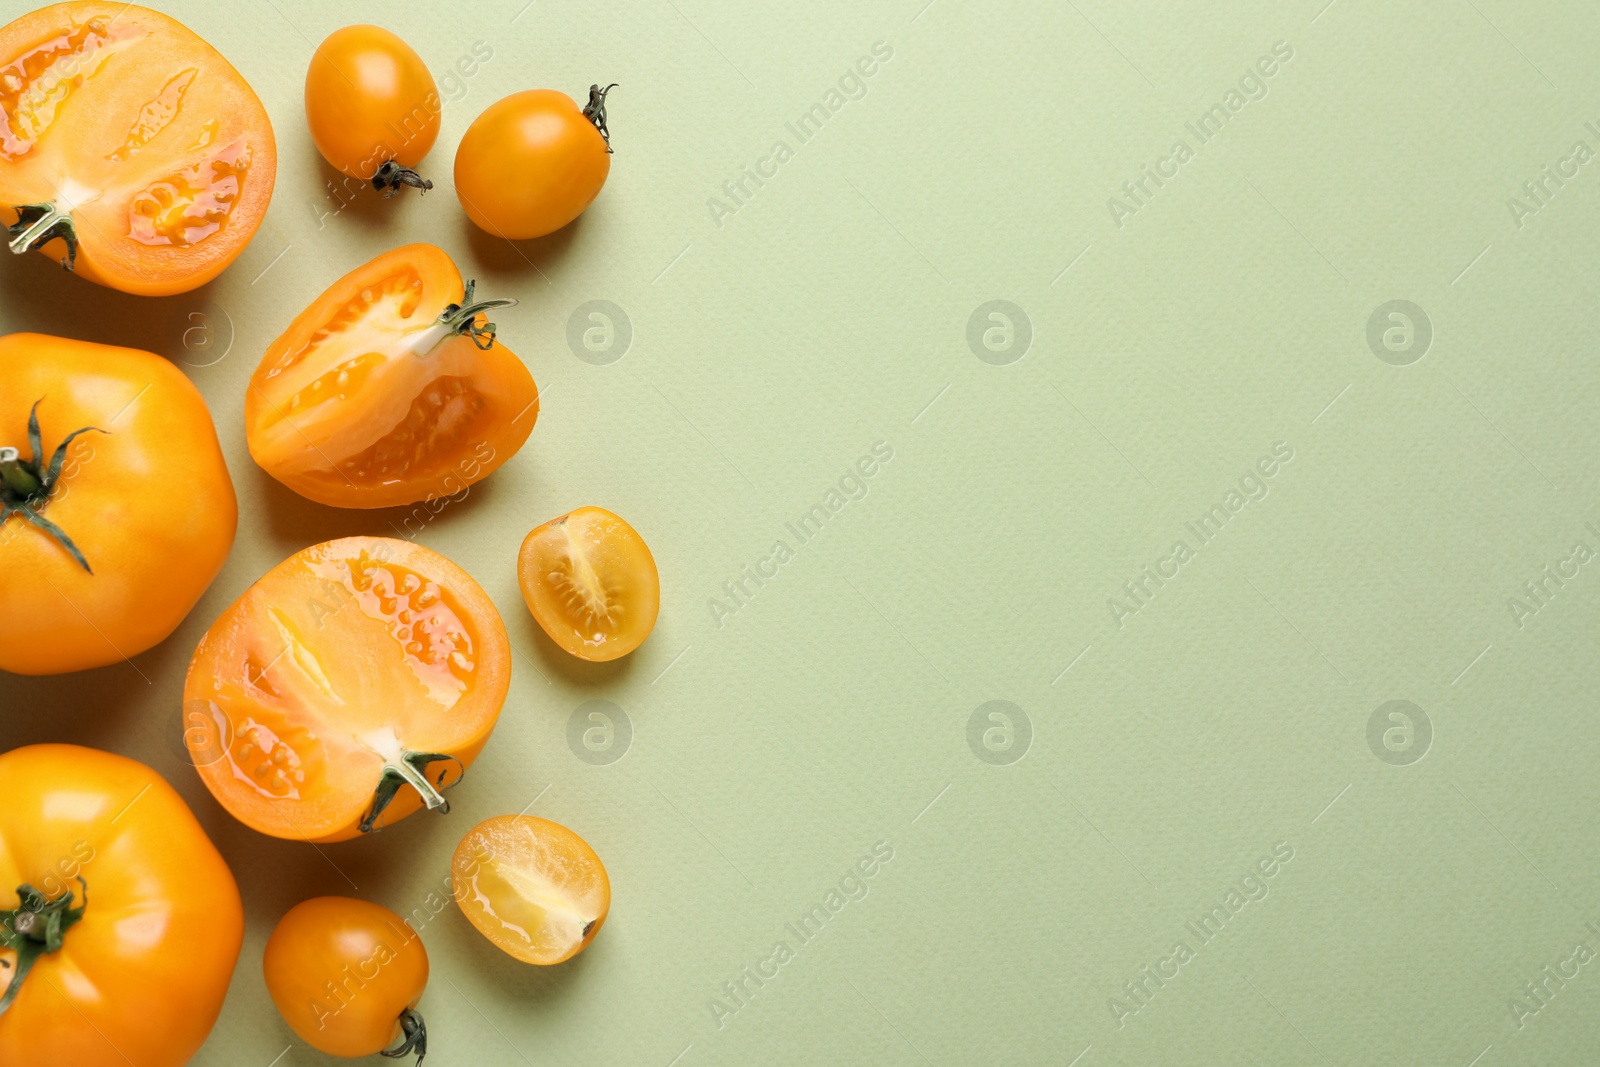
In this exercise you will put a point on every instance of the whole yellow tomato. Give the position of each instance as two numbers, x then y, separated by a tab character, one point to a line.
532	163
372	107
118	945
116	509
346	976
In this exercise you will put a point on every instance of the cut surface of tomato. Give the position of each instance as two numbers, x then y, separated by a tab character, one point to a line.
390	388
129	148
352	684
532	887
591	583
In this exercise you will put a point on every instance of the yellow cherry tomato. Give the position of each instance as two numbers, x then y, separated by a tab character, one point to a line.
372	106
591	583
534	888
346	975
532	163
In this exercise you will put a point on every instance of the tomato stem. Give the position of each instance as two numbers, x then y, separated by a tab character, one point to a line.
25	485
35	928
16	475
391	176
463	317
38	224
414	1037
595	110
410	769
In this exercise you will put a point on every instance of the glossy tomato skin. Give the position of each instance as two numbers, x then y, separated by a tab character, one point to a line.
533	887
143	133
149	503
530	164
370	99
343	412
141	978
591	583
331	669
372	960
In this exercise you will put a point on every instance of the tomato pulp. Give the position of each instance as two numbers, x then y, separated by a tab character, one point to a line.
390	388
130	150
591	583
352	684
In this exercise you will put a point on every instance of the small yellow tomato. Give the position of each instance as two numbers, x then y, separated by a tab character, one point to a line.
372	107
591	583
346	975
532	163
534	888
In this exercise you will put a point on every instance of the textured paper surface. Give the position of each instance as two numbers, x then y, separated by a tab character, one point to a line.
778	332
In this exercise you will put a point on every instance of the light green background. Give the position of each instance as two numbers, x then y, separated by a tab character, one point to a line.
831	712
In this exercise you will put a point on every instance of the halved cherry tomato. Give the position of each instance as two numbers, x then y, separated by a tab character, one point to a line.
390	388
534	888
372	106
591	583
353	683
129	149
115	516
532	163
346	975
120	940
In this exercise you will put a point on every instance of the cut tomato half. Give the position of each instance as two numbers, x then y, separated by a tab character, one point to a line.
130	150
532	887
591	583
351	685
391	388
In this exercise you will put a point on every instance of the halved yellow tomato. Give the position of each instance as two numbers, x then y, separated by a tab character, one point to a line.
591	583
532	887
129	149
390	388
353	683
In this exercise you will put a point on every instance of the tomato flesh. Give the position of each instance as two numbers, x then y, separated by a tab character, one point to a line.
331	673
368	401
591	583
532	887
136	135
